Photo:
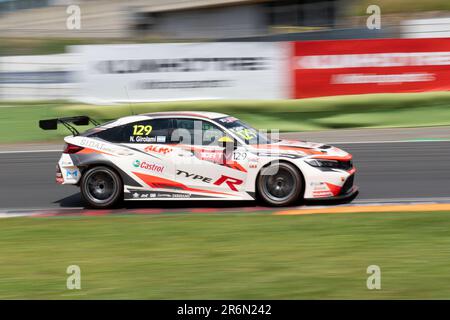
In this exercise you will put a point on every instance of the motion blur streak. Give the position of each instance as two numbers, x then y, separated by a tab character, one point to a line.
385	171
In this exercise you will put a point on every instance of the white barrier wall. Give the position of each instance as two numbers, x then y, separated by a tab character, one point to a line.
426	28
187	71
40	77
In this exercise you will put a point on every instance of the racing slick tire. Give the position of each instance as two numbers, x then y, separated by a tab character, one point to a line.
101	187
280	184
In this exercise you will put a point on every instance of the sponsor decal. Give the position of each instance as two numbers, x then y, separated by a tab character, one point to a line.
162	194
71	174
228	119
140	139
191	64
319	194
193	176
165	72
253	163
324	189
158	149
141	132
96	145
148	166
212	156
66	163
180	195
343	67
124	152
245	133
229	181
161	139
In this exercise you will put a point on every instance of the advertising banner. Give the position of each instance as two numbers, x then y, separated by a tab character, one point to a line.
327	68
184	71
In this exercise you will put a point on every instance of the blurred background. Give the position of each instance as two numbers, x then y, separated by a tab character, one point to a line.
370	76
36	36
58	53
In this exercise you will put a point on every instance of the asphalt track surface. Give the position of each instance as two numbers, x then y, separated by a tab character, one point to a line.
386	172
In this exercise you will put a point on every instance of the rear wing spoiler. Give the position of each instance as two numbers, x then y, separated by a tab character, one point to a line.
52	124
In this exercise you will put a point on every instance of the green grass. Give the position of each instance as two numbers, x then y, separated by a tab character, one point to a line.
399	6
18	121
38	46
232	256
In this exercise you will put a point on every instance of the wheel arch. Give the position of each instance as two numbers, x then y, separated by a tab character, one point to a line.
126	178
302	177
117	195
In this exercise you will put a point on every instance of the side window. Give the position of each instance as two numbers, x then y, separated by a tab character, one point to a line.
110	135
150	131
197	132
211	134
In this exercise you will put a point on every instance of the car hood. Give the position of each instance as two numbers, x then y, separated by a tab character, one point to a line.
303	148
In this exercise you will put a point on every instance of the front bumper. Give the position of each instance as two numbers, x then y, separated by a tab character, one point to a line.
329	186
350	194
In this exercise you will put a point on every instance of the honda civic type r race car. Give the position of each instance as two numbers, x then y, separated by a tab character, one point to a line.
199	156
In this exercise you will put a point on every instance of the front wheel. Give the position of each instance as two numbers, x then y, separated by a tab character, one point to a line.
101	187
279	184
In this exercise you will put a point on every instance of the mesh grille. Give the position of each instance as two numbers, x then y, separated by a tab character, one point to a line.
348	184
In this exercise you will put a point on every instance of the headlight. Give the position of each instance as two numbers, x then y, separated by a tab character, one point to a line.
330	164
323	163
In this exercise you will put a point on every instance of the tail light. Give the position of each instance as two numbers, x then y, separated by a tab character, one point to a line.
59	177
71	148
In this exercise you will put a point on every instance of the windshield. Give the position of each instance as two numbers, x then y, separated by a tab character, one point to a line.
244	131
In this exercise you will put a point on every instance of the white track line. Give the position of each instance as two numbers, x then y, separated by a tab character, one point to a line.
11	212
30	151
388	200
15	215
333	142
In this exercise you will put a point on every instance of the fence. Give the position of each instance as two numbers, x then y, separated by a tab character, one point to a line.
229	70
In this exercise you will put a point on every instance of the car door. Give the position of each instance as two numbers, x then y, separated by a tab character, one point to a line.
151	162
205	162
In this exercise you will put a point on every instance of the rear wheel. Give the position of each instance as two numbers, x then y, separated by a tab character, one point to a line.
279	184
101	187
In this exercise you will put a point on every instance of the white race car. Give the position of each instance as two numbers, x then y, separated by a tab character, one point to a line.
199	156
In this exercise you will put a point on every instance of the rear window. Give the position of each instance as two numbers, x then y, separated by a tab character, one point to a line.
148	131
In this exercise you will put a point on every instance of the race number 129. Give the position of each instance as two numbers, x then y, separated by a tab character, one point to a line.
140	130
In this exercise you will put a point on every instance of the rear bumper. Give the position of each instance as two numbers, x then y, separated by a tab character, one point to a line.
66	171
